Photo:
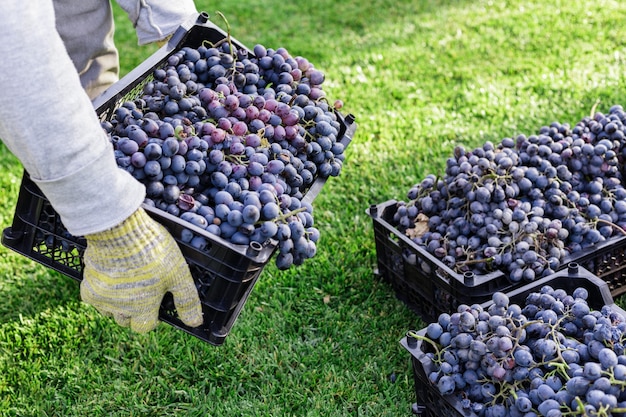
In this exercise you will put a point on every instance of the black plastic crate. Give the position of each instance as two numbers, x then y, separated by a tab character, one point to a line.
431	403
419	279
224	273
607	260
429	287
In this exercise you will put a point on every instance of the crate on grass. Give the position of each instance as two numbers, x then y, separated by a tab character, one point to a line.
224	273
431	402
424	283
429	287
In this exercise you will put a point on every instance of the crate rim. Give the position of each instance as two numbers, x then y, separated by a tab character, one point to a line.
472	280
469	279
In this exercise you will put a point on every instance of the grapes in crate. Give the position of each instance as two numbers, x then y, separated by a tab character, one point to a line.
231	141
551	356
525	205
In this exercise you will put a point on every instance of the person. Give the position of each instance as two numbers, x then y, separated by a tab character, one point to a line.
55	57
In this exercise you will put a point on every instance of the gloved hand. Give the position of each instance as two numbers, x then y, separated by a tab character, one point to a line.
128	270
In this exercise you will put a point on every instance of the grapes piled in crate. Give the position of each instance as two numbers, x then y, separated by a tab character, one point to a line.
552	348
230	140
526	205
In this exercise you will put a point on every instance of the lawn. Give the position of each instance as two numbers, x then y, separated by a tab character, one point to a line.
321	339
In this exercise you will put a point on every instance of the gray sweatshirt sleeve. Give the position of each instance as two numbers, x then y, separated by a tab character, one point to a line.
48	122
154	20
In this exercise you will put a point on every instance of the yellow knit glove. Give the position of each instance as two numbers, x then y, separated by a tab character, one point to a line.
128	270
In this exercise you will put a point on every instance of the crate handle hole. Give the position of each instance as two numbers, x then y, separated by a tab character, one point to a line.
254	248
203	17
572	268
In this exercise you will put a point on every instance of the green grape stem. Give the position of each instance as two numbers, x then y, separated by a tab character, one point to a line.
228	38
237	159
285	216
593	108
474	261
616	227
427	340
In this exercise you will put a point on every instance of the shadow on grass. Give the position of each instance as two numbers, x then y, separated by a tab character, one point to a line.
27	288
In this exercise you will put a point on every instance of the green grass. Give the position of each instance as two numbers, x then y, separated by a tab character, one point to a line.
320	339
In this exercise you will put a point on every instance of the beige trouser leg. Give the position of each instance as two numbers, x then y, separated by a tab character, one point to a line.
86	27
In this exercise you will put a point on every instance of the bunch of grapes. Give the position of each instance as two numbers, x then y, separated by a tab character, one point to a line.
552	356
230	141
525	205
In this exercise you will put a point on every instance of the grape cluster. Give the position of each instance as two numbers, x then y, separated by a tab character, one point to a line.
230	140
525	205
552	356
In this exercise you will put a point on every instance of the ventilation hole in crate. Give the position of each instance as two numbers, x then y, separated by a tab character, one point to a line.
203	280
133	94
409	256
59	250
168	307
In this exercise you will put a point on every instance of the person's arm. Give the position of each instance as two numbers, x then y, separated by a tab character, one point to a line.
48	122
155	20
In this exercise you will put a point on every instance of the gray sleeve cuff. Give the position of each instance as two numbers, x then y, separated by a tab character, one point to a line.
95	198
